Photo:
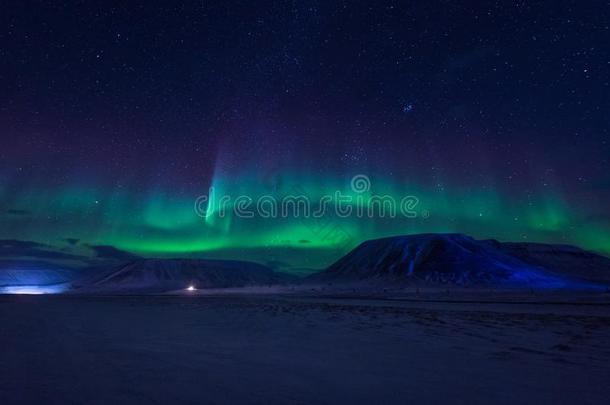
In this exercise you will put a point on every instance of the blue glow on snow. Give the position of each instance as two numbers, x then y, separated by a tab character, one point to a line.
33	289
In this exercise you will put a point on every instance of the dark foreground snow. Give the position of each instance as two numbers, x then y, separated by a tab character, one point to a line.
237	349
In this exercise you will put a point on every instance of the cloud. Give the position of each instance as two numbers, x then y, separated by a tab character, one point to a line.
12	248
18	248
14	244
110	252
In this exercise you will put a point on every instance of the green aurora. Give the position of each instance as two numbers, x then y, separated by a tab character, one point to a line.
161	223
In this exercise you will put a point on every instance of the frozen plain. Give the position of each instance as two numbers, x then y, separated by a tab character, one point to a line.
268	348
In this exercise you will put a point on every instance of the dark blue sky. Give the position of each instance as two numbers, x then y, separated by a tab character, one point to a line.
143	101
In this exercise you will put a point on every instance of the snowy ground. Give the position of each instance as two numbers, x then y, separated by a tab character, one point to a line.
270	349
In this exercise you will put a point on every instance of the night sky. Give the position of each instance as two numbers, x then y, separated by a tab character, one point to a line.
115	116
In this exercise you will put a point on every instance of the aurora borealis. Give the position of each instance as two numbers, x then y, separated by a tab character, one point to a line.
495	118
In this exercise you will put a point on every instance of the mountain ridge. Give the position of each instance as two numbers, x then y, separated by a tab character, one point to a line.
162	275
454	258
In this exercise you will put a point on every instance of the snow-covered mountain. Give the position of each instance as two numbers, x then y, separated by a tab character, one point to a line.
562	260
19	273
460	259
161	275
34	277
29	275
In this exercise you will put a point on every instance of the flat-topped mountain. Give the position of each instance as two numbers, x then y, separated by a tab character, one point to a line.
462	260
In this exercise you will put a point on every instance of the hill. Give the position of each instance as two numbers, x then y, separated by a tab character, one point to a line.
162	275
461	260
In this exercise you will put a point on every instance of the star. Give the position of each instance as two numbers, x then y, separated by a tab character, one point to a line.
407	108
